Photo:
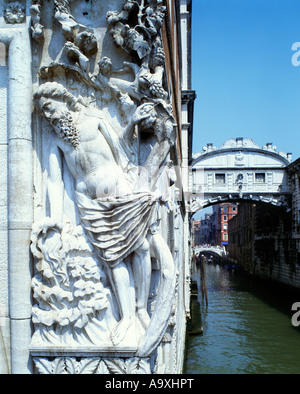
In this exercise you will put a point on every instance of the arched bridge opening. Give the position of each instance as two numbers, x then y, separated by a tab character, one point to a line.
209	250
212	256
252	234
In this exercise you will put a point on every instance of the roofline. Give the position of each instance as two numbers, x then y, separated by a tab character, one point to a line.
221	151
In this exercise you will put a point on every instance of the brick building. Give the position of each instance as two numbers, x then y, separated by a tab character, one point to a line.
241	229
260	241
196	232
223	214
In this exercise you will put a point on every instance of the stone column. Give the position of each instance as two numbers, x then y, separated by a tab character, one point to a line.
20	193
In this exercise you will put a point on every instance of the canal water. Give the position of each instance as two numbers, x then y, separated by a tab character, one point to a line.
247	327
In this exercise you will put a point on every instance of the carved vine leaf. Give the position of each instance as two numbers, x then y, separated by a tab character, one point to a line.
45	366
63	15
102	369
138	366
132	365
140	46
147	18
84	366
116	366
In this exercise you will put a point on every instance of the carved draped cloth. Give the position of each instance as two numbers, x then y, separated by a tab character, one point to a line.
117	225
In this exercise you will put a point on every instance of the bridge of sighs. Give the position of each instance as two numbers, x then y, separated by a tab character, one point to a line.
239	170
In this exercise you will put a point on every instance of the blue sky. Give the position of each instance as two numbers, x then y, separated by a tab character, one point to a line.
242	72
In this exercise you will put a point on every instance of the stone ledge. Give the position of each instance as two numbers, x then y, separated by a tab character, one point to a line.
83	351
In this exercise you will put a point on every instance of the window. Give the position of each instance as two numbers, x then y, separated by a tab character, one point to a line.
225	210
225	217
225	237
260	178
220	178
225	227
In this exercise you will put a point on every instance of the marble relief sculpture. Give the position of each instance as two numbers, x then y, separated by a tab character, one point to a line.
112	129
14	13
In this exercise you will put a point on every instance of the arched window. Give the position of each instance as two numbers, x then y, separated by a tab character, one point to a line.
2	54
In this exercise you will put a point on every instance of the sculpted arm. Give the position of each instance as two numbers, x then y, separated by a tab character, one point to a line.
55	184
144	111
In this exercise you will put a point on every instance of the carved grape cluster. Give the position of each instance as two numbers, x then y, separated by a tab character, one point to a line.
67	131
157	57
157	90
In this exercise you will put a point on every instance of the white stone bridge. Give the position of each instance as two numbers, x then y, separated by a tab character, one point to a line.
214	250
239	171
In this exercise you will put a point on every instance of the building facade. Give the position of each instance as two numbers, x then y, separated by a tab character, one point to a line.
213	228
196	233
241	230
206	230
223	214
263	243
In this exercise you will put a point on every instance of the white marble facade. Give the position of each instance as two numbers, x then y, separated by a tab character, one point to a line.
93	272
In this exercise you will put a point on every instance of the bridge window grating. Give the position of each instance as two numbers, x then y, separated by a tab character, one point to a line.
260	177
220	178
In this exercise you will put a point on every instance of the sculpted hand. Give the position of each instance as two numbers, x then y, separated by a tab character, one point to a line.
74	53
144	111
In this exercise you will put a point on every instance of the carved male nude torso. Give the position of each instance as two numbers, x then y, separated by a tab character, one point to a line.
93	163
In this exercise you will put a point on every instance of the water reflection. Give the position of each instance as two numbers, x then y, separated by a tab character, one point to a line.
246	327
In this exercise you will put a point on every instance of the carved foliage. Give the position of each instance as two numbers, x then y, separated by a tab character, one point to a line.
137	26
136	29
92	365
36	27
67	286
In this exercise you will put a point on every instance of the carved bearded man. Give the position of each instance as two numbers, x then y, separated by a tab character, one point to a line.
116	216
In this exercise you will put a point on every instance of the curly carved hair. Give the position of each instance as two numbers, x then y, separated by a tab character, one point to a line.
54	90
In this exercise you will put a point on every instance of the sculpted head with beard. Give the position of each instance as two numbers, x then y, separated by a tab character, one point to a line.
54	102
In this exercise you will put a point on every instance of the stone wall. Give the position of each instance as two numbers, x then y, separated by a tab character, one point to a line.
262	242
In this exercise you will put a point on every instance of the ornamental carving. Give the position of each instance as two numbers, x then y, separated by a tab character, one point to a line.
105	276
14	13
